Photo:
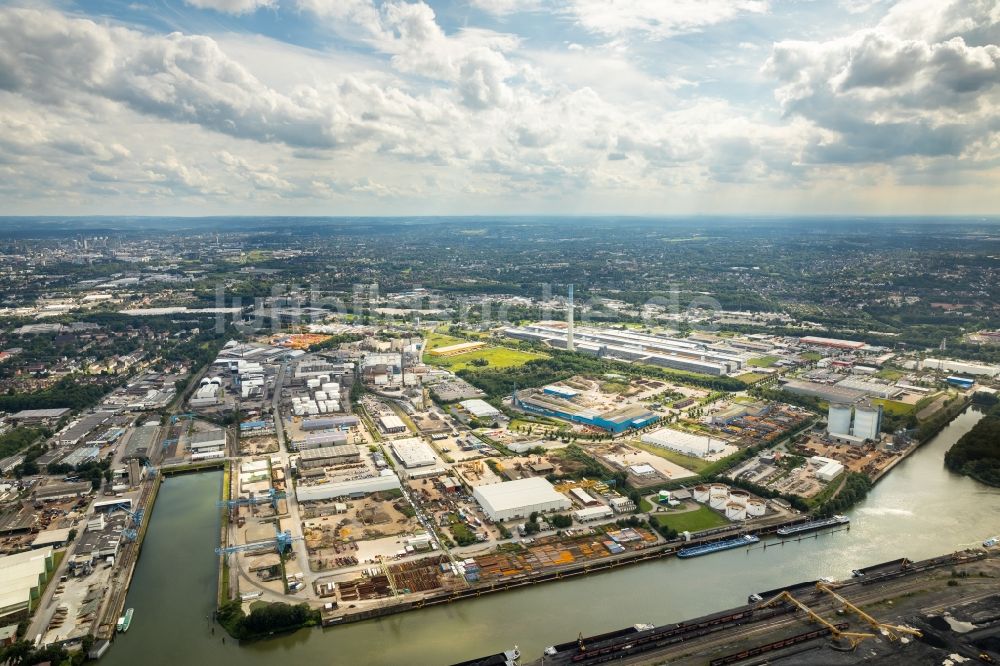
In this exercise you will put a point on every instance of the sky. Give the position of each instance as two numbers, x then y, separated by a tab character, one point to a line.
463	107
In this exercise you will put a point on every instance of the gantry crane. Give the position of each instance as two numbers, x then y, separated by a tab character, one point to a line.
388	576
281	542
131	532
272	496
852	636
890	631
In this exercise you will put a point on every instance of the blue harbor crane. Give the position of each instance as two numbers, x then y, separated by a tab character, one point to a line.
272	496
177	417
131	533
282	542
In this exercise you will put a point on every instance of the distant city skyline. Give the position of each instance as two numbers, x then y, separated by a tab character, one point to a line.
494	107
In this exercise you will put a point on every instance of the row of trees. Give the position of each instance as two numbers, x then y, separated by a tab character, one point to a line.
977	453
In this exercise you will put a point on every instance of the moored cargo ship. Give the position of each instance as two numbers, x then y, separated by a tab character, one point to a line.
705	549
505	658
813	525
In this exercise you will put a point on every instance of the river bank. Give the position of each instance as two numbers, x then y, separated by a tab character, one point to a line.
920	510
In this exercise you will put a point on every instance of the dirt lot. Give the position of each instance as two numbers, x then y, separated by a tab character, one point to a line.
255	446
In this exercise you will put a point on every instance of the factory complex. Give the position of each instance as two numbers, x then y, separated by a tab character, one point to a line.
564	403
651	349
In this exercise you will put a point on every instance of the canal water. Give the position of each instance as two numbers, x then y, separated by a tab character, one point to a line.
918	510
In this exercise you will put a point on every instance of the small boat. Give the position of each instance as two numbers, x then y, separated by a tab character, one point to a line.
992	541
125	620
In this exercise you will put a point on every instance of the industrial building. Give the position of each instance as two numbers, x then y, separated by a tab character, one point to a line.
593	513
210	440
22	578
320	439
329	455
964	367
84	454
667	352
519	499
616	421
699	446
823	391
72	435
480	409
27	416
876	389
832	343
961	382
353	488
827	470
413	452
331	423
141	442
391	423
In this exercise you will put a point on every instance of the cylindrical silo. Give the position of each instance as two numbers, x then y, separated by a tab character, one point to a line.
718	496
701	494
756	507
735	511
739	497
839	419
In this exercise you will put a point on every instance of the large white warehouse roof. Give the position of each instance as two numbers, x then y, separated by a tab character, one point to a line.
518	499
480	408
413	452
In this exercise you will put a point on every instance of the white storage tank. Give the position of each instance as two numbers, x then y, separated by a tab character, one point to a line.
739	497
700	494
735	511
320	395
839	419
718	496
756	507
312	383
330	386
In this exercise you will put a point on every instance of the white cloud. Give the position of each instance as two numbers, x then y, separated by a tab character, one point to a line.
658	19
901	89
504	7
401	112
232	6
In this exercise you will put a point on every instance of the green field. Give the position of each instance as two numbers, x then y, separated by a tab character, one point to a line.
889	373
751	377
435	340
696	465
811	356
496	357
894	406
691	521
763	361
